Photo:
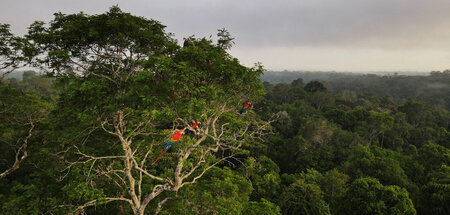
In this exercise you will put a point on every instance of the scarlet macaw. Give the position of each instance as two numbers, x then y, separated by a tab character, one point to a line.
245	107
193	127
175	139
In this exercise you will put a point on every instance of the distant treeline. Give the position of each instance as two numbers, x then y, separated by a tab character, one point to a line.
433	87
120	91
18	75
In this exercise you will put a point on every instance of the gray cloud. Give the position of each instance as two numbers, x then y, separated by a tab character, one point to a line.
312	34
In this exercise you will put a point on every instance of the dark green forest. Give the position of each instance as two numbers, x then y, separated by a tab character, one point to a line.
433	88
81	137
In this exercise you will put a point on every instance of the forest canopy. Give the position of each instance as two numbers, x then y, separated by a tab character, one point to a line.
114	90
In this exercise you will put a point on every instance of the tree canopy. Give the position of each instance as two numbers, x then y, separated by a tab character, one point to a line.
101	95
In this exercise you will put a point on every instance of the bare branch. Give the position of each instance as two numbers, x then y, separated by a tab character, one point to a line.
80	209
160	205
22	149
148	174
205	170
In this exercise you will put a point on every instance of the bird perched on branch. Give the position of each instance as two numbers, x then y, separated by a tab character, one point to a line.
245	107
175	139
193	127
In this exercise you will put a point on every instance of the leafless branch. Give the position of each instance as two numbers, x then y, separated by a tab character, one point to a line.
160	204
22	150
80	209
205	170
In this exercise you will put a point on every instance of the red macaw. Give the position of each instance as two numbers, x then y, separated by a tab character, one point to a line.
245	107
193	127
175	139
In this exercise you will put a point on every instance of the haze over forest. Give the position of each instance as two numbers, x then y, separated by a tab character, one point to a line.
106	111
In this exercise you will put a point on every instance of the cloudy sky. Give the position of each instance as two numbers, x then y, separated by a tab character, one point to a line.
338	35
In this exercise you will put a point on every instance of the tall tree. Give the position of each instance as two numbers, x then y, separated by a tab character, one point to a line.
127	87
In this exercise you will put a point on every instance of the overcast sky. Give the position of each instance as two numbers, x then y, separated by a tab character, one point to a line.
338	35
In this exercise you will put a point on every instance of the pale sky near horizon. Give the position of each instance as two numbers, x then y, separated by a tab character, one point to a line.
326	35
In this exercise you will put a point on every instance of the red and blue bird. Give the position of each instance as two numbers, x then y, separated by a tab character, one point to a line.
245	107
175	139
193	126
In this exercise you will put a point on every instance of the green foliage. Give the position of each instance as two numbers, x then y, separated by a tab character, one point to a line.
11	50
435	198
20	116
225	40
302	197
221	191
264	176
432	88
333	184
262	208
432	156
315	86
26	199
345	119
362	136
348	153
376	163
369	196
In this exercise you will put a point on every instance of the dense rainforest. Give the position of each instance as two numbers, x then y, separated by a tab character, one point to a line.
433	88
81	139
